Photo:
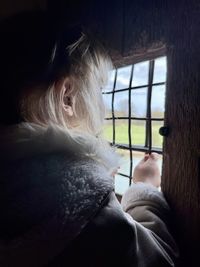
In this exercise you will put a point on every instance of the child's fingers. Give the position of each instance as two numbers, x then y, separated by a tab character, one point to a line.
154	156
146	157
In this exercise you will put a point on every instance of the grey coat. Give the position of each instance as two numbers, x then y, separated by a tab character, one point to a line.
58	206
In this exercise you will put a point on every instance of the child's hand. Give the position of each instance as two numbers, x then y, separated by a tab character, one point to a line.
147	170
114	172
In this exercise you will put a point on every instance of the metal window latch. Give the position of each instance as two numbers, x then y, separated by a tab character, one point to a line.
164	131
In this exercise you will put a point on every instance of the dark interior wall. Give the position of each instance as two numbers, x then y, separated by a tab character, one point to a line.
182	147
131	28
9	7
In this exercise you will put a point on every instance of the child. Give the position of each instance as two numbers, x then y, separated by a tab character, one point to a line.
58	206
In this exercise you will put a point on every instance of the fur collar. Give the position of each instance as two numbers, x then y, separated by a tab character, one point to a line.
28	139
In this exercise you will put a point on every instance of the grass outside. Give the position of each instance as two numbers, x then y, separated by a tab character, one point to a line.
137	131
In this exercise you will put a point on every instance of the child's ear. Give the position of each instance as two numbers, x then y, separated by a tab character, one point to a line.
63	86
67	99
67	105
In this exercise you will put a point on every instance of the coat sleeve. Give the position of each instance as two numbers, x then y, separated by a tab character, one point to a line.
137	236
149	214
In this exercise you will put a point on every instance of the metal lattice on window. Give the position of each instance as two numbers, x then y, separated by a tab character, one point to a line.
135	101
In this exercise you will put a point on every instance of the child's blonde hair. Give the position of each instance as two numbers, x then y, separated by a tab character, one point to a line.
87	73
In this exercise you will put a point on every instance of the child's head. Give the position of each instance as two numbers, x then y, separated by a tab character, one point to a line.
50	77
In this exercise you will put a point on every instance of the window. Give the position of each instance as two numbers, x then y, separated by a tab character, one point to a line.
135	99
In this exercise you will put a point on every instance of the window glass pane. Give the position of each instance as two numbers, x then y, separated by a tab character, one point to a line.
121	131
121	104
160	70
123	77
140	74
138	132
107	99
124	161
157	139
139	102
108	130
158	101
110	84
121	184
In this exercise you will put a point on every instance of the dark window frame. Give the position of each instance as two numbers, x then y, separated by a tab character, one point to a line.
147	148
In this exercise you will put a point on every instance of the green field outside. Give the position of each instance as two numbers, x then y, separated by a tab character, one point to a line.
138	133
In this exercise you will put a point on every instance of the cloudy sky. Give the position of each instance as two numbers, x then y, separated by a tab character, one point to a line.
138	96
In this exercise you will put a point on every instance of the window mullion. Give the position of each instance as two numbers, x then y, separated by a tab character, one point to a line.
112	106
129	124
148	141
